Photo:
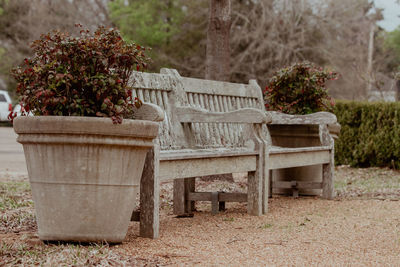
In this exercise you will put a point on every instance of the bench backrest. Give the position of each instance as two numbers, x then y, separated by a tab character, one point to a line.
168	89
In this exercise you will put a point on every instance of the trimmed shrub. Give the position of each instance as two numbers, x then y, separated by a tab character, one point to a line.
299	89
369	135
80	76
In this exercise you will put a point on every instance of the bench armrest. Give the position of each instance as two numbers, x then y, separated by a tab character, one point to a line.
148	111
315	118
244	115
334	130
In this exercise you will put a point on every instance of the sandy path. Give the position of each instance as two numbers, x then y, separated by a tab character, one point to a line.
354	230
301	232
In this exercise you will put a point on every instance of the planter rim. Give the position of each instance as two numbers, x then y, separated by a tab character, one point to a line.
84	125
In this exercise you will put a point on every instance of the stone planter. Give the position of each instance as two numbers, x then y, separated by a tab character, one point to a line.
84	174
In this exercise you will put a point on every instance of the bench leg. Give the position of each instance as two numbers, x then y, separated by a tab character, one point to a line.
182	187
150	195
254	194
327	181
258	181
295	190
221	206
179	197
190	187
214	203
266	187
270	184
327	169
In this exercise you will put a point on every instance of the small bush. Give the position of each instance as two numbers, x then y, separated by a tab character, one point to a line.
369	135
79	76
299	89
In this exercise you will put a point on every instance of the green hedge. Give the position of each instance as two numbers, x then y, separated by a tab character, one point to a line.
370	134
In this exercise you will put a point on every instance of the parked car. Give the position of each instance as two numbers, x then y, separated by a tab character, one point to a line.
5	105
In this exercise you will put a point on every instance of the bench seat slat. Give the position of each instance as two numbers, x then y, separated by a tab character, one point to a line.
196	167
204	153
287	158
283	150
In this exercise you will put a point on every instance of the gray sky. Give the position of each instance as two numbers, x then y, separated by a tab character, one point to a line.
391	12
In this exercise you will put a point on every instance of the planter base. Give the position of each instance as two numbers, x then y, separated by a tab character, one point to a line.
296	136
83	213
299	174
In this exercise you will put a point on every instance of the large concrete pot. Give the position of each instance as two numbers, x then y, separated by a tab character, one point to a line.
84	174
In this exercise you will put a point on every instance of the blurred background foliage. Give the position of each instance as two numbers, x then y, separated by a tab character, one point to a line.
369	136
266	35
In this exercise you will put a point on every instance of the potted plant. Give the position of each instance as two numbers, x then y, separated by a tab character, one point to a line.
299	89
84	158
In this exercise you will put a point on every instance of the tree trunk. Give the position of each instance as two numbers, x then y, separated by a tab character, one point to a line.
218	50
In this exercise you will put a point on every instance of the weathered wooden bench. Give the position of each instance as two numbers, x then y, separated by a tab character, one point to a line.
213	127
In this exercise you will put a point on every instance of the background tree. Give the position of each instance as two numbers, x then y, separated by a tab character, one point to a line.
218	42
391	45
174	29
265	35
268	35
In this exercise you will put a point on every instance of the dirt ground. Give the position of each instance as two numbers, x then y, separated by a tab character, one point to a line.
361	227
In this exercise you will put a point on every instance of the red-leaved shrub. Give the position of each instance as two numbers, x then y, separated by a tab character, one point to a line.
299	89
80	76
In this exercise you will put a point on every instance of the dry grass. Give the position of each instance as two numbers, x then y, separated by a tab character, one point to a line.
370	183
361	227
16	207
28	250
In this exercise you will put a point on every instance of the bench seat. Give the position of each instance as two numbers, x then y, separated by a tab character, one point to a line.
189	163
205	153
287	157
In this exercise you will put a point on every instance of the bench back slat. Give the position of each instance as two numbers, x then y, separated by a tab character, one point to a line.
219	96
169	89
201	86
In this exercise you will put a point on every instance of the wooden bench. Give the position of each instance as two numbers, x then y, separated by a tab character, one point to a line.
213	127
208	129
